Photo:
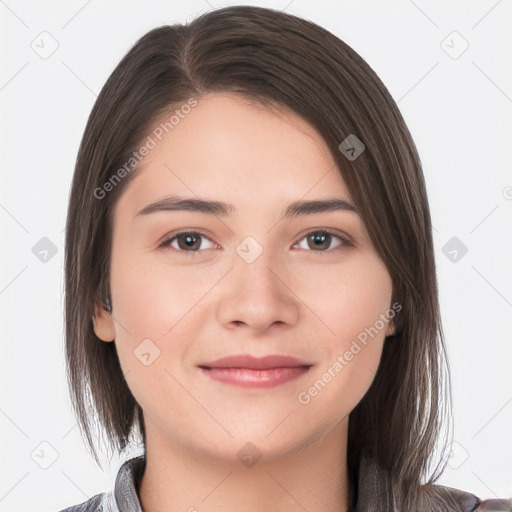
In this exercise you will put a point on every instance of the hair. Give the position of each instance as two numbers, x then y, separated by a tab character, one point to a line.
271	58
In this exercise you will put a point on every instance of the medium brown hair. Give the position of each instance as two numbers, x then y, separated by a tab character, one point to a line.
275	59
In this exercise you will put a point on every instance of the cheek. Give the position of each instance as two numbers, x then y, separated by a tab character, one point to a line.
151	308
354	306
155	301
151	297
347	299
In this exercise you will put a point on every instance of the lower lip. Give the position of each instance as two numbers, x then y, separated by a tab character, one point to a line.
247	378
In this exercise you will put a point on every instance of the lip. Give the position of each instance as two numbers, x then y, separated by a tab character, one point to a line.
255	372
256	363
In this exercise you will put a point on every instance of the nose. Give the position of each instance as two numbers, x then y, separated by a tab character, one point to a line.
257	295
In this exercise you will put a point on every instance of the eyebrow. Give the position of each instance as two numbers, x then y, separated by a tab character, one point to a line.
221	209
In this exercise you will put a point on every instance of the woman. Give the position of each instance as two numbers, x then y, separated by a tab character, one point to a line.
250	278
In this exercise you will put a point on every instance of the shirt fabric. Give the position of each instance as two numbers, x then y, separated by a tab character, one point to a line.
373	492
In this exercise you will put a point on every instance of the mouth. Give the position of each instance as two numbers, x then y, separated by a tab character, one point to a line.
255	372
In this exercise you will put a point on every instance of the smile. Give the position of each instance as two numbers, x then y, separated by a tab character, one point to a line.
252	371
250	378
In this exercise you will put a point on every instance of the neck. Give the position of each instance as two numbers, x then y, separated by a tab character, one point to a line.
311	477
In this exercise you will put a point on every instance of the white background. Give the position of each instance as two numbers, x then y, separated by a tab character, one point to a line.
458	110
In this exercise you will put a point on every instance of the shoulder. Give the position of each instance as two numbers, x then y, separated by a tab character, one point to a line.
122	496
102	502
495	505
441	498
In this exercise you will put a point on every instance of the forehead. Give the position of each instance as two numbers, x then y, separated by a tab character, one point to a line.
228	147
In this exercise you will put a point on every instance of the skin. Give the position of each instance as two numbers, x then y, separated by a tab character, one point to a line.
293	299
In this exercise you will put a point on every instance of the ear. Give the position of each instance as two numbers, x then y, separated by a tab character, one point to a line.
103	324
391	329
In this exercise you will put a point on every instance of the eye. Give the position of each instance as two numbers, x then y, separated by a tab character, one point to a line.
186	241
192	241
321	240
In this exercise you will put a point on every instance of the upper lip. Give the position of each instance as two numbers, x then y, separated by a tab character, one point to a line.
256	363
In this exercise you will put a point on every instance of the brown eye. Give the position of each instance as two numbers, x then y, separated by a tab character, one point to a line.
187	241
321	241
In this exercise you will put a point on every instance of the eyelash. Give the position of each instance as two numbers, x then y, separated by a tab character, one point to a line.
165	243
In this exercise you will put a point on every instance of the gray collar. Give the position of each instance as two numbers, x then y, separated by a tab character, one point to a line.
373	490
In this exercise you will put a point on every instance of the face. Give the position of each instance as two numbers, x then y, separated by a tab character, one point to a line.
189	286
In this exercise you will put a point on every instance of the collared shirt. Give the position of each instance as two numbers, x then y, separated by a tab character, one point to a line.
373	492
